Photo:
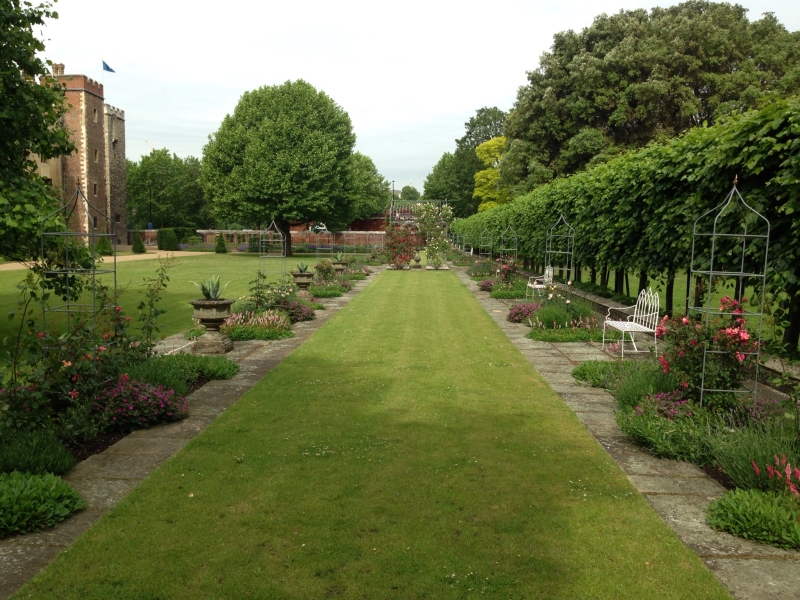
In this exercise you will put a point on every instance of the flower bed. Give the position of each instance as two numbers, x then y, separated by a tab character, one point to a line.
269	325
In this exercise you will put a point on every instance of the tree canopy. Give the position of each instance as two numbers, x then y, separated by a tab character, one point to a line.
177	197
284	153
453	177
31	109
409	193
372	192
639	76
488	187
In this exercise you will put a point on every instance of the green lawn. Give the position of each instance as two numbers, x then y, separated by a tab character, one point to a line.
239	268
406	450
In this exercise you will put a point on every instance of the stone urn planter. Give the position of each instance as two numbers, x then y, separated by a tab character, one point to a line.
340	266
302	280
212	314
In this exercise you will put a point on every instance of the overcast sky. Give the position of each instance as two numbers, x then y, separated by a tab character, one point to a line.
408	74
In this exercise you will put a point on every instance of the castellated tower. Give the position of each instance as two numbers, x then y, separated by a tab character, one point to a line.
116	195
86	167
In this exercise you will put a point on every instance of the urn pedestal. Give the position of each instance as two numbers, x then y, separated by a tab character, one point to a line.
212	314
303	280
339	266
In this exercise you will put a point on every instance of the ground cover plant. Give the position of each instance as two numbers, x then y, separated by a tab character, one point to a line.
35	451
301	489
33	502
268	325
182	372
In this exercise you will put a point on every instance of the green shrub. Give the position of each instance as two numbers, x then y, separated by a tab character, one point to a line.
684	438
221	247
517	290
169	241
33	502
35	451
138	244
597	373
181	372
103	247
641	379
194	240
326	291
769	517
736	450
481	269
565	335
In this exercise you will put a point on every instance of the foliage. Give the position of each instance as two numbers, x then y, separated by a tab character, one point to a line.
409	193
138	244
103	247
433	221
636	211
326	290
640	380
148	308
634	77
211	288
132	404
399	244
488	187
737	450
512	290
220	247
487	285
508	271
35	451
32	107
522	312
565	335
372	191
558	312
269	325
33	502
599	373
168	240
181	372
684	437
480	269
769	517
166	190
302	267
297	310
324	271
730	351
284	153
453	177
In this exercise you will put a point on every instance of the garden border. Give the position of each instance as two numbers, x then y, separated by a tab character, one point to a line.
679	492
106	478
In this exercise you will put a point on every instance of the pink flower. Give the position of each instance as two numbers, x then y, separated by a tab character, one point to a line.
102	348
118	308
66	363
73	394
664	364
41	334
693	343
755	466
685	321
743	335
740	357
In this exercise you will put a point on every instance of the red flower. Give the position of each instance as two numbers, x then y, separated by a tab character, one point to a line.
755	466
73	394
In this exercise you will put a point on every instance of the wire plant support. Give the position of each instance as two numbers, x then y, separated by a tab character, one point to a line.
70	259
731	248
508	246
560	246
323	242
485	245
272	256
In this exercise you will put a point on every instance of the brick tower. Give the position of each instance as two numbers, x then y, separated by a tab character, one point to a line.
116	194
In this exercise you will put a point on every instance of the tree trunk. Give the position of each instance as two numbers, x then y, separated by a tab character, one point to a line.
578	272
604	278
669	294
642	281
791	335
619	280
627	284
286	230
593	275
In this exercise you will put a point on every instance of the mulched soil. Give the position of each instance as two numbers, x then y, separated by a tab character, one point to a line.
103	441
716	473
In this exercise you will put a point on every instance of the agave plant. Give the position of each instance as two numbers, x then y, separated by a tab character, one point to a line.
339	257
302	267
211	289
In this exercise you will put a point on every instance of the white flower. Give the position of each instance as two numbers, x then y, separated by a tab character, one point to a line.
569	283
550	297
567	301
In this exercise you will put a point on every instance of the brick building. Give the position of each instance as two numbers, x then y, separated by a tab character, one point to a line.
97	166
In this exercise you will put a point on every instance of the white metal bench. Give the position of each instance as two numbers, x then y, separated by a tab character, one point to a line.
537	284
643	320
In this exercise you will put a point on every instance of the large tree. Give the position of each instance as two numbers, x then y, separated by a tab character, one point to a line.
453	177
488	187
409	193
31	110
171	185
372	193
638	76
285	154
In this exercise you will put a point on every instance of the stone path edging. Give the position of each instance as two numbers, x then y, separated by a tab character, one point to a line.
679	492
105	479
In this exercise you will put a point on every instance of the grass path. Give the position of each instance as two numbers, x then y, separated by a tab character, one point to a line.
406	450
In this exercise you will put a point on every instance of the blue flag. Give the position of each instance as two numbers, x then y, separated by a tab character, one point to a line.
107	68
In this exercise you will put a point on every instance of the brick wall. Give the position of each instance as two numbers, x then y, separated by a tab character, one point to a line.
116	195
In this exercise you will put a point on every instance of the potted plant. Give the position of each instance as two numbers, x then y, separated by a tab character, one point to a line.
340	264
211	311
302	276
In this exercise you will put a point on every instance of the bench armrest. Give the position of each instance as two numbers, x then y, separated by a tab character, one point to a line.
621	308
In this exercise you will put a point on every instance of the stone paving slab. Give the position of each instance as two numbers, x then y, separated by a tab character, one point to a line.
104	479
679	492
